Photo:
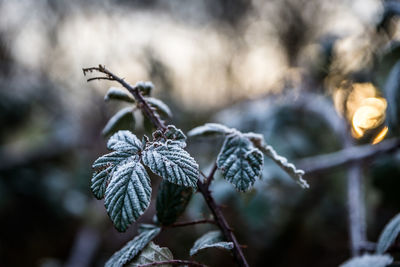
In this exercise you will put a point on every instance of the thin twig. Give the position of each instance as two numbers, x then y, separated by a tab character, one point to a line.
100	78
347	156
174	262
203	188
143	105
180	224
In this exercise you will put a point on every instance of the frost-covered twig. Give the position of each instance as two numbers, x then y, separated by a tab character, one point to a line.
356	208
289	168
348	155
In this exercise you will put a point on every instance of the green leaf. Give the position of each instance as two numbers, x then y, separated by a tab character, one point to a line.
368	261
132	248
99	182
172	134
124	141
210	129
172	163
152	253
392	95
388	235
122	120
118	94
175	134
239	161
107	164
111	159
159	106
145	88
171	202
289	168
128	194
213	239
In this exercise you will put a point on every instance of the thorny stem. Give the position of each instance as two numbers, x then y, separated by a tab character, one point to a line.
174	262
202	187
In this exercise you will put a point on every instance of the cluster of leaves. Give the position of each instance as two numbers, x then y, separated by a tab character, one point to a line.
122	179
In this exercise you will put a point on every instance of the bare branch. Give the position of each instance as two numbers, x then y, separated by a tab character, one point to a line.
347	156
211	175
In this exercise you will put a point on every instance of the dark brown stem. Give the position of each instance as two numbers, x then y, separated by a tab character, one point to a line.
143	105
180	224
174	262
202	187
211	175
222	223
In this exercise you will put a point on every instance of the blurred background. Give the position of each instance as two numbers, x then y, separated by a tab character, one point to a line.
312	76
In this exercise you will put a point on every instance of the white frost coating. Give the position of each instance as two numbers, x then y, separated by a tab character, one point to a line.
118	94
132	248
369	260
160	106
289	168
125	113
213	239
388	235
210	129
124	141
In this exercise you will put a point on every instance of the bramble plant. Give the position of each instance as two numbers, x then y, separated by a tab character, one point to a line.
121	178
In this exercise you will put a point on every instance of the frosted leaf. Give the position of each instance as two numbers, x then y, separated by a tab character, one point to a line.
124	141
128	194
159	106
213	239
289	168
369	261
172	163
132	248
123	118
152	253
107	164
389	234
111	159
210	129
239	161
172	135
99	182
145	88
118	94
171	202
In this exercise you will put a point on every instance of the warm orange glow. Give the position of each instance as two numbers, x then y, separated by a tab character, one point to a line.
361	104
381	135
369	115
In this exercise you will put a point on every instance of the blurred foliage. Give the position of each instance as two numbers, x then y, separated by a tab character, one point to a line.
262	66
